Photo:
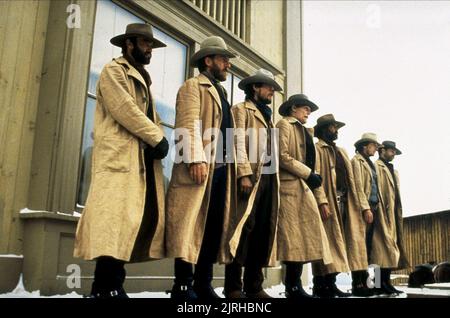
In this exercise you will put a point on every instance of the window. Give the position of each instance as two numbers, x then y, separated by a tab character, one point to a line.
167	69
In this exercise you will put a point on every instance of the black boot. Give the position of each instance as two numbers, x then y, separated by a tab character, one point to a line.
359	284
253	282
294	289
202	281
109	277
182	289
386	285
320	287
233	281
330	281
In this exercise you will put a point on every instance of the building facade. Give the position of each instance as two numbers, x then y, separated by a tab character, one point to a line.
52	52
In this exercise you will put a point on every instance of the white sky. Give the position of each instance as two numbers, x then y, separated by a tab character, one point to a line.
384	67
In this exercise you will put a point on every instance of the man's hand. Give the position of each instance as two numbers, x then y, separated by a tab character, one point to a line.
368	216
160	151
245	185
198	172
314	181
325	212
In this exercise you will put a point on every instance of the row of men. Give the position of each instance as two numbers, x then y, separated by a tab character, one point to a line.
319	206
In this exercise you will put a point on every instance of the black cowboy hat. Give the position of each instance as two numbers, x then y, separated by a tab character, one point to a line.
327	120
391	144
296	100
137	29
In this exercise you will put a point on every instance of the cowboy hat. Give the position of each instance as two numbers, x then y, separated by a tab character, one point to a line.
327	120
296	100
213	45
137	29
260	76
391	144
367	137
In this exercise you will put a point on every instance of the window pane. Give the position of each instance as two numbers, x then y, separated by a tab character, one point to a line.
86	151
168	71
238	94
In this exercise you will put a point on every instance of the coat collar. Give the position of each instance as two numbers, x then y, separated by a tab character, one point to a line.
203	80
293	120
364	162
131	71
382	165
322	143
250	105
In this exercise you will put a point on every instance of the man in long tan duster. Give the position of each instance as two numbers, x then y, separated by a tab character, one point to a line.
301	236
381	251
123	219
201	194
258	187
338	204
391	226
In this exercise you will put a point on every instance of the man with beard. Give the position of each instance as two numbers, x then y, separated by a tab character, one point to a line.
258	186
390	226
201	191
338	205
123	220
382	251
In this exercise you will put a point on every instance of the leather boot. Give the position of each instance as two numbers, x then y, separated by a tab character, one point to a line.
330	281
294	289
182	289
359	284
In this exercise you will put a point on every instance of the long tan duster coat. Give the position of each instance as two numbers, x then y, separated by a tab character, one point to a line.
394	217
301	235
385	252
114	208
198	110
251	138
347	247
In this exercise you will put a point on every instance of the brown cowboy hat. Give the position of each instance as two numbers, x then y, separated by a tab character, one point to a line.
213	45
260	76
296	100
367	137
391	144
327	120
137	29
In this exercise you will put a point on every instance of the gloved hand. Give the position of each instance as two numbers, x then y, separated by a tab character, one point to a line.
314	181
160	151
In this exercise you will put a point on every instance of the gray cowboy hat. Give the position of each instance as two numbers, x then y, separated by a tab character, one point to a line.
296	100
137	29
367	137
213	45
260	76
326	120
391	144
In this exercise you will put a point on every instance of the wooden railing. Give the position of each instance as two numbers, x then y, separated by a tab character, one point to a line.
232	14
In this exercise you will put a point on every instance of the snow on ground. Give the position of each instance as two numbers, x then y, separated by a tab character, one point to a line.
274	291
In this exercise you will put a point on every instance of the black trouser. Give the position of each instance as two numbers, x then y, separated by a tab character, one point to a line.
109	275
293	273
370	229
253	250
149	218
211	237
253	277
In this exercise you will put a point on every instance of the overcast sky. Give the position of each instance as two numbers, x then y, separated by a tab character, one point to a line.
384	67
